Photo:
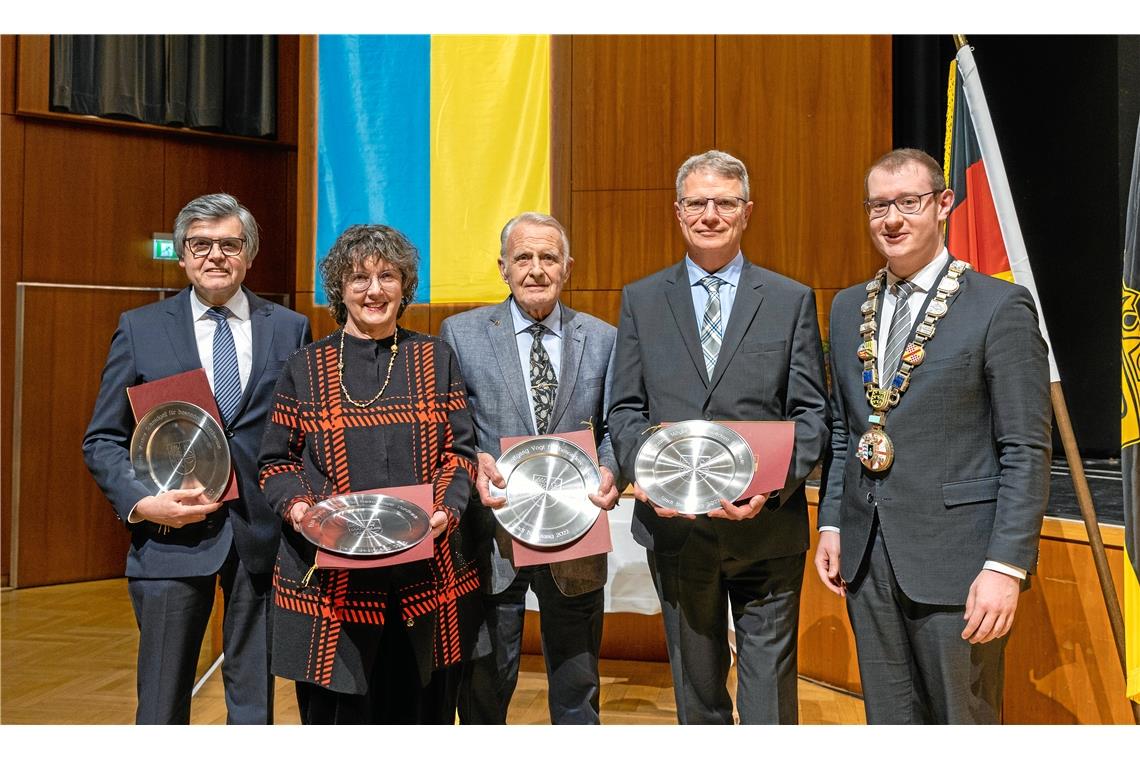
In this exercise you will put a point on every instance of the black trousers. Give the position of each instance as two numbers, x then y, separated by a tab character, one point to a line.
697	588
395	693
571	639
172	615
913	663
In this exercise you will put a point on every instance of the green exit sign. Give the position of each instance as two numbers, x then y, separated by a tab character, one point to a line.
163	247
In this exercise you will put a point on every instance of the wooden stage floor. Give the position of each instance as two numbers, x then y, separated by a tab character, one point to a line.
67	656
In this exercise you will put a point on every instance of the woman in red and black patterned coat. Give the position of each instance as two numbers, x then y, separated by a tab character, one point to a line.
371	406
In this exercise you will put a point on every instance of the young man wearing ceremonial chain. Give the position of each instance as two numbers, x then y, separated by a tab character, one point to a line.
938	476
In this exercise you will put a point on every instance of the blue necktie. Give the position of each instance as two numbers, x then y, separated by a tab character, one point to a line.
227	377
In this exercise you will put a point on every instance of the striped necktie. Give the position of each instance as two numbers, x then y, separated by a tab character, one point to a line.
227	377
711	329
900	329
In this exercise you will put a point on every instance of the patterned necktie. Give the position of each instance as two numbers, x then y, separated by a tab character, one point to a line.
227	378
711	329
543	383
900	329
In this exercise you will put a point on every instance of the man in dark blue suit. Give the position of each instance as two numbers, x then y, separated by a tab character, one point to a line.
180	546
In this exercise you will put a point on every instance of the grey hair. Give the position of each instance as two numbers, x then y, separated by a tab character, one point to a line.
718	162
216	206
533	217
361	243
894	161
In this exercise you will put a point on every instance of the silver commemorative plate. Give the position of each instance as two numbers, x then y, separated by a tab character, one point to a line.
365	525
690	466
179	445
548	485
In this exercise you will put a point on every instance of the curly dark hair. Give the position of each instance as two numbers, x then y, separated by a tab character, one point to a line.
360	244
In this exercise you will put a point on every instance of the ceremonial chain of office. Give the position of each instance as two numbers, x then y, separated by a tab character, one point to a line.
876	450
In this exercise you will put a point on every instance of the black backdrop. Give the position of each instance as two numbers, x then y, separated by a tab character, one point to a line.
1065	109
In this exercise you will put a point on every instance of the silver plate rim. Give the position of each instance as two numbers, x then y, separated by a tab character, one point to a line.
507	466
316	515
648	480
204	421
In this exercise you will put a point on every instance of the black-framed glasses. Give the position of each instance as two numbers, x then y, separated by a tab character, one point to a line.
725	205
906	204
200	247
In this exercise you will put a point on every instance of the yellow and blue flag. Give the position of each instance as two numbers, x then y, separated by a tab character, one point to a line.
444	137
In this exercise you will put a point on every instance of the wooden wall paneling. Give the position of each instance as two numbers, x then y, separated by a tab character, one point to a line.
441	311
91	205
320	320
823	299
288	88
11	234
807	115
826	641
417	317
258	177
625	636
305	201
1061	664
603	304
618	237
8	73
641	105
561	114
33	73
66	529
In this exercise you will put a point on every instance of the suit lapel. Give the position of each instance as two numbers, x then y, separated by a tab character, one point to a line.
573	344
180	330
501	335
677	293
744	307
263	329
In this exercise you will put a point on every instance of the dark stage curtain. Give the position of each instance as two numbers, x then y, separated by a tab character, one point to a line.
212	82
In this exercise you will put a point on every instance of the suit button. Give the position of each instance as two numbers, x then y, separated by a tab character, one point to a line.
409	623
708	417
870	498
229	433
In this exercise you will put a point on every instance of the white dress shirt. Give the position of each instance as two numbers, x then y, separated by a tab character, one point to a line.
551	341
924	280
240	326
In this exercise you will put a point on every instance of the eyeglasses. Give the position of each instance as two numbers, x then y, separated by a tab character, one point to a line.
725	206
360	282
906	204
200	247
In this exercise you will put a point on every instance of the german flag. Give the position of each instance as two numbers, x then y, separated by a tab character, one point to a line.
1130	427
983	227
973	232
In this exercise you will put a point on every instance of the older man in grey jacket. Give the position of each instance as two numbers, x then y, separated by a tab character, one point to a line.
532	366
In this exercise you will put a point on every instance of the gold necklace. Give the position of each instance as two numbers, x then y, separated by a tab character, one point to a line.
875	449
387	377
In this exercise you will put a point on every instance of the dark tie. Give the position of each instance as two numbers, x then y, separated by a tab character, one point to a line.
711	329
543	383
900	329
227	378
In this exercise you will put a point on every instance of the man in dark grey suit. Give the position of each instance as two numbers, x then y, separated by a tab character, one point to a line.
715	337
532	365
933	493
182	548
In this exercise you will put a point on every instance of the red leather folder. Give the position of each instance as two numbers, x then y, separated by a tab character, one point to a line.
771	444
192	387
596	540
421	496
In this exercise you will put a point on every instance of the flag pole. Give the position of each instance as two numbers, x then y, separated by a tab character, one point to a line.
1085	502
